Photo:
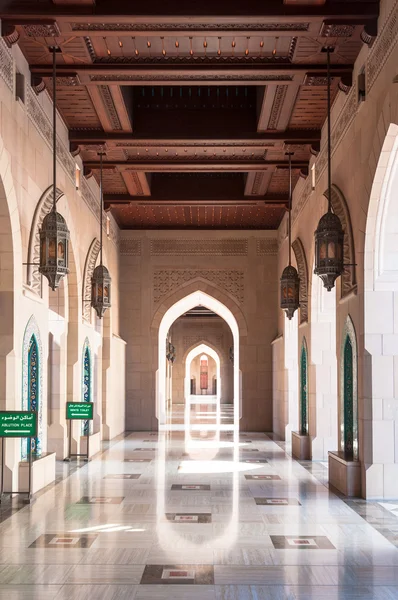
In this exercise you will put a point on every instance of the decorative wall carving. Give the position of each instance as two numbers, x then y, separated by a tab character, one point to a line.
280	94
129	247
110	107
227	247
33	277
382	48
266	247
167	281
6	65
258	179
137	182
42	30
302	268
338	30
89	267
340	207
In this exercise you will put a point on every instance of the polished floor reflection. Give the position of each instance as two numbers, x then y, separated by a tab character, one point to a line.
204	516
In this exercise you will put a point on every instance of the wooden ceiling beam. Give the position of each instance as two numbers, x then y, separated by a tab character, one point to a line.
128	200
298	136
207	10
202	166
190	74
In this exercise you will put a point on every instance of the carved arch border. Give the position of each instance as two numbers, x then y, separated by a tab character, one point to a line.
302	268
340	207
33	277
89	266
205	342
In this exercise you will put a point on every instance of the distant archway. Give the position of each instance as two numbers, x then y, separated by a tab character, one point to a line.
183	305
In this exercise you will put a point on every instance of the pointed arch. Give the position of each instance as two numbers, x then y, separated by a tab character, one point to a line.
33	277
304	398
32	381
340	207
302	268
89	266
349	391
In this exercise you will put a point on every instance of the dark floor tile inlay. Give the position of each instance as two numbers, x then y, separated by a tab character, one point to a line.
144	449
101	500
189	517
190	487
277	502
123	476
136	460
255	460
64	540
178	574
263	477
295	542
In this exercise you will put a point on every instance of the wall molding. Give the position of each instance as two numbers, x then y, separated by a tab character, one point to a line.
181	247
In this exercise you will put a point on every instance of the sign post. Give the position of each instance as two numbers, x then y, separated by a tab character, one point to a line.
79	411
17	424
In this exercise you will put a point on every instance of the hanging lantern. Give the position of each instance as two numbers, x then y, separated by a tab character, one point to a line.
329	240
100	290
54	233
329	235
101	279
290	291
290	280
54	242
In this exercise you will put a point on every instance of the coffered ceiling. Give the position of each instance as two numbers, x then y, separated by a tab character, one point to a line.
193	104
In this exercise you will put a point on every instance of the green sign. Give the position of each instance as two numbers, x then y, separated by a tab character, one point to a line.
79	410
18	423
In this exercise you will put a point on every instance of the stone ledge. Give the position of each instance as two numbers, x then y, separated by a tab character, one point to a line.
43	473
345	475
301	446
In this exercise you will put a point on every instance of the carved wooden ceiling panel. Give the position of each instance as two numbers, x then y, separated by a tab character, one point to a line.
194	107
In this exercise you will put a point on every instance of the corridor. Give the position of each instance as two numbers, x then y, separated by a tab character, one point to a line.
159	516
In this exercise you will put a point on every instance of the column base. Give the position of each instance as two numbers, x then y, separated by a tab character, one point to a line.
301	446
43	473
345	474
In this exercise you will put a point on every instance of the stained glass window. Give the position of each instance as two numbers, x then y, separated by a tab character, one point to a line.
86	385
348	399
303	392
33	387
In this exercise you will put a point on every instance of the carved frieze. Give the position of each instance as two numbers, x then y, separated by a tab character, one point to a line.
6	65
128	247
382	48
89	267
267	247
168	280
279	99
164	26
302	269
173	76
227	247
110	107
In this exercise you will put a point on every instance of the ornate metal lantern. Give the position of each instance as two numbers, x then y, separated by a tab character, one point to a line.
290	280
100	290
290	291
54	248
54	233
101	279
329	240
329	235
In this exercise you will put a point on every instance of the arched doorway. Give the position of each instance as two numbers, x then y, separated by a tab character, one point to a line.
192	400
183	305
379	420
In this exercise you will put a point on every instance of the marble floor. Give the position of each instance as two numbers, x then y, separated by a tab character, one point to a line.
210	516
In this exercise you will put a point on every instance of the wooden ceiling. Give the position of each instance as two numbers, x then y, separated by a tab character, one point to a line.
193	104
